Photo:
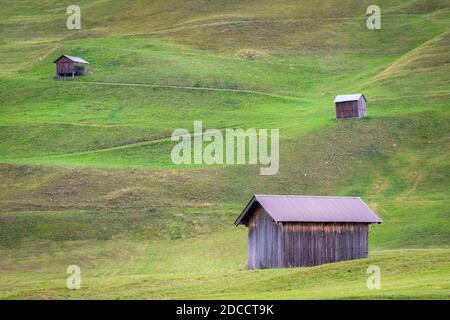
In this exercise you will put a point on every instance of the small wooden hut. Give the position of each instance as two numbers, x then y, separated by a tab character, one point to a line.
304	231
350	106
69	66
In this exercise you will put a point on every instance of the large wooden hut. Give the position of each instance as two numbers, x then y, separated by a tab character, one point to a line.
350	106
303	231
70	66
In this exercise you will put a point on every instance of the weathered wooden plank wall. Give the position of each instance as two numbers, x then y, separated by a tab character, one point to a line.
272	245
347	109
264	241
311	244
362	112
66	67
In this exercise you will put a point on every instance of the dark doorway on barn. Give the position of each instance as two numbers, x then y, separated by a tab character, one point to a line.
303	231
70	66
350	106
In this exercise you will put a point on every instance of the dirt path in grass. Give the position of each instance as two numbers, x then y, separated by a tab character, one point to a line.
277	96
130	144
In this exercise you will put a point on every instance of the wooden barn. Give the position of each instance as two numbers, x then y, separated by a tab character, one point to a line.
350	106
69	66
304	231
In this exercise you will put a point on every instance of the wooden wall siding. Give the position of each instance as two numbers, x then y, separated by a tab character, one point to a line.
351	109
264	241
347	109
66	67
282	245
362	112
311	244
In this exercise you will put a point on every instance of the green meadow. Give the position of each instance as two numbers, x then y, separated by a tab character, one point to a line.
86	176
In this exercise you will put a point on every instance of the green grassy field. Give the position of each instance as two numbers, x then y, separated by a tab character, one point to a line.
85	168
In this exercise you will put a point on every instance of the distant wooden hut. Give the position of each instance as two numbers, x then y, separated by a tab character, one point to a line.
303	231
69	66
350	106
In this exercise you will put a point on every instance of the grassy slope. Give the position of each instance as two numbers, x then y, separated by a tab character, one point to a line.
87	177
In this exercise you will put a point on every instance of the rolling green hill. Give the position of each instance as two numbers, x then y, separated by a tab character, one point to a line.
85	168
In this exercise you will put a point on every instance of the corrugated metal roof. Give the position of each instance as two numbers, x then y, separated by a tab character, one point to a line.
284	208
74	59
349	97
